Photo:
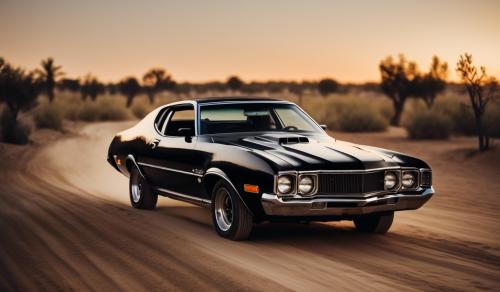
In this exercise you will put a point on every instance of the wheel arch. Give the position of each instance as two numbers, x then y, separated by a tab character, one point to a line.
130	162
213	175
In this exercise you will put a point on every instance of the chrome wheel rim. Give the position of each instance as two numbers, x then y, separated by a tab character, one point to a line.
223	209
136	187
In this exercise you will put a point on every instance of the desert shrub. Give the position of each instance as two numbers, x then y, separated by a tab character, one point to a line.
492	120
48	116
355	114
88	112
69	105
105	108
111	109
385	108
454	110
460	115
361	118
161	99
463	121
412	106
12	131
428	124
316	108
141	108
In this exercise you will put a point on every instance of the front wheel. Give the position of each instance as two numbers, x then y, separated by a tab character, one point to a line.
230	216
141	195
374	223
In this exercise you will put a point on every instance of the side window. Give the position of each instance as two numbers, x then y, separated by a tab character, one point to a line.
180	118
160	119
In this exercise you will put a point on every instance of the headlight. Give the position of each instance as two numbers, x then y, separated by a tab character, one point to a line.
306	184
408	180
284	184
390	180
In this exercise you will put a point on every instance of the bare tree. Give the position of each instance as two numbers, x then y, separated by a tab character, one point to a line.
481	89
156	80
129	87
434	82
48	75
399	82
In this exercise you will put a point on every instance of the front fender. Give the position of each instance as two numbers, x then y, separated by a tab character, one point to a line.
236	178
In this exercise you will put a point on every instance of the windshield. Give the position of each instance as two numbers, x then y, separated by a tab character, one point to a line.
254	117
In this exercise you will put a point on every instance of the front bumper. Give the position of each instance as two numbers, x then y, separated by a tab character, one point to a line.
276	206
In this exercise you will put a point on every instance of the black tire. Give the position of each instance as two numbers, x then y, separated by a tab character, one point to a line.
240	224
143	197
374	223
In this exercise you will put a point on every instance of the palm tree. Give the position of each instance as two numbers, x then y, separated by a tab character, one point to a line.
48	75
156	80
129	87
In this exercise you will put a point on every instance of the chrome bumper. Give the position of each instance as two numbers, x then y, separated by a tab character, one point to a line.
276	206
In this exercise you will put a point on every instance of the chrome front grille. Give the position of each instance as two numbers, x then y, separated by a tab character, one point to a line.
350	183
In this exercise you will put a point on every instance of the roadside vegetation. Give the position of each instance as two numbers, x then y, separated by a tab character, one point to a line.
48	116
422	102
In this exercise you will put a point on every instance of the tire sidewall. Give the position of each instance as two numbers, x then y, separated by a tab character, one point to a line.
236	202
137	204
375	223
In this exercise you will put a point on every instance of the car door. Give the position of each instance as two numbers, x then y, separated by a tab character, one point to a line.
170	164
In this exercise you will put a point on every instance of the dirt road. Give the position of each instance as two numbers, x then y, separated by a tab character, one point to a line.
65	223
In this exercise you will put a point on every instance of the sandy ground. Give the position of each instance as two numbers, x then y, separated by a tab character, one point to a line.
65	223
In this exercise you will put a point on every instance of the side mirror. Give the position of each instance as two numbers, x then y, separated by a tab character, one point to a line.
324	127
187	133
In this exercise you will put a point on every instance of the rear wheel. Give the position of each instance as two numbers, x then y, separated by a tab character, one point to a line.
141	195
230	216
374	223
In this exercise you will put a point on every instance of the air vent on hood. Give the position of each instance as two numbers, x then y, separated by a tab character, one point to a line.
293	140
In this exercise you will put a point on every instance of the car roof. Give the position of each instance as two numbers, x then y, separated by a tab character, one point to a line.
225	100
233	98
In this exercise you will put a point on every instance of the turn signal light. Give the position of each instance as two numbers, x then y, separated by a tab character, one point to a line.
251	188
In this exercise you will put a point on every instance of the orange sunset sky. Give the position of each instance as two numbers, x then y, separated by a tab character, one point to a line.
256	40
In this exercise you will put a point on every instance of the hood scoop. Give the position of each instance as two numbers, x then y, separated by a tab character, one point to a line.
282	139
292	140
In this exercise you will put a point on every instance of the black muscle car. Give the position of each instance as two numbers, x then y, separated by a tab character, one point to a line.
253	160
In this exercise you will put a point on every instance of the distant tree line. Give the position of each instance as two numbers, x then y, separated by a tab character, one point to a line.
156	80
401	79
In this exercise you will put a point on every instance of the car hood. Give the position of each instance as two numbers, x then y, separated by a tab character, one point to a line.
316	152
